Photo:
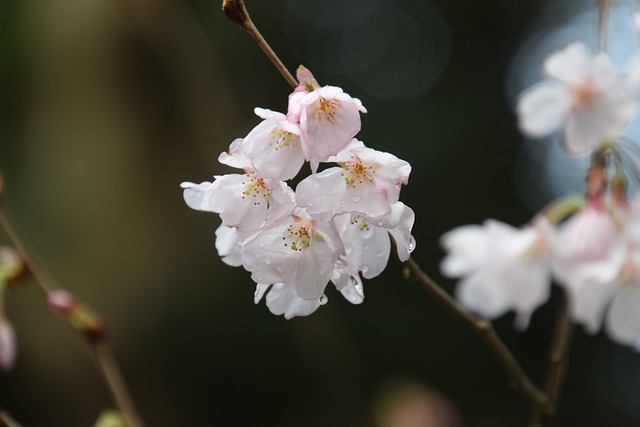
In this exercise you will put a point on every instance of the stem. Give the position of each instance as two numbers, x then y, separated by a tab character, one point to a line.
115	381
557	364
485	330
237	12
44	280
99	350
604	7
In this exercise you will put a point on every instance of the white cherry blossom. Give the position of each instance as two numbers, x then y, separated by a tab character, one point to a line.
228	245
588	97
282	299
502	268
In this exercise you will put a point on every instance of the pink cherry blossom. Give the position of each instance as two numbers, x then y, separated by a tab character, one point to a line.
366	182
273	147
588	98
328	118
298	251
243	201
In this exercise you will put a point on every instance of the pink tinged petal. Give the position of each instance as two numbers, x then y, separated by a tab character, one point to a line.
228	246
329	120
195	195
259	293
241	200
367	246
543	108
623	318
482	296
401	233
320	194
467	250
8	345
588	306
235	156
275	152
350	286
268	255
282	299
569	65
314	270
281	203
527	286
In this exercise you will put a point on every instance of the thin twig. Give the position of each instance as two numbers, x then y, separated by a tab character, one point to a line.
43	279
113	377
557	364
482	327
237	12
604	8
99	350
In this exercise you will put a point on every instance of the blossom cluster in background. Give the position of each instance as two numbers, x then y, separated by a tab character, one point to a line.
591	248
335	227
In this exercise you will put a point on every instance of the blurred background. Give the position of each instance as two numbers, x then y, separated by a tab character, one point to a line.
106	106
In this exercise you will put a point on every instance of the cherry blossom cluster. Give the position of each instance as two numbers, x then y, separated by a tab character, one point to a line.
337	224
591	246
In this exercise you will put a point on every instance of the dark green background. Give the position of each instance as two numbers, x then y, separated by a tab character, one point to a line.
106	106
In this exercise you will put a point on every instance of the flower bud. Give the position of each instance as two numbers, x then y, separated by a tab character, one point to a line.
110	418
79	315
13	267
8	346
234	12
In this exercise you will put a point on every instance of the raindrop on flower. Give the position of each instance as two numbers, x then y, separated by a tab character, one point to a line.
356	199
267	260
412	244
323	300
358	286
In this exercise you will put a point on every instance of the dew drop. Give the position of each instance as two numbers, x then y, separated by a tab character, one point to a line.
357	286
323	300
267	260
355	199
412	244
365	247
380	254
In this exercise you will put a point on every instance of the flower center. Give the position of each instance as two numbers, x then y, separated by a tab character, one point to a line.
281	138
299	236
327	109
256	189
584	94
355	172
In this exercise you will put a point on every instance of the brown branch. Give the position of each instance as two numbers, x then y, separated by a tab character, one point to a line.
557	365
237	12
484	329
95	342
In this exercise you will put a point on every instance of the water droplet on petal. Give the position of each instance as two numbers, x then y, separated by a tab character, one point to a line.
267	260
380	254
365	247
355	199
412	244
323	300
357	286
